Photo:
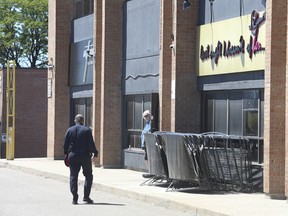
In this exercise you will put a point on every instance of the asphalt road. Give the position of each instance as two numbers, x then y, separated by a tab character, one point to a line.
24	194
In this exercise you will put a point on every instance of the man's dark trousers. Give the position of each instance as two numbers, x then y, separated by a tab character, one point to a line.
76	161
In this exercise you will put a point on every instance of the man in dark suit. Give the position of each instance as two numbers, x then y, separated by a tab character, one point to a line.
80	148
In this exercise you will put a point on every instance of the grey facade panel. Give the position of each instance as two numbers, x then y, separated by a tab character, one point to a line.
142	75
134	160
142	85
82	28
254	84
83	94
227	9
142	28
249	80
79	75
142	46
142	66
81	91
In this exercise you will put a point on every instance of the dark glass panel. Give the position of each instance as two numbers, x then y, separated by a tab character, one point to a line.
220	112
250	113
235	113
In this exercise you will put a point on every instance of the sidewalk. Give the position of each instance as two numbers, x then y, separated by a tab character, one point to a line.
127	183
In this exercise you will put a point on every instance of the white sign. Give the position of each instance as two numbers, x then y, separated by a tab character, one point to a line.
173	89
49	88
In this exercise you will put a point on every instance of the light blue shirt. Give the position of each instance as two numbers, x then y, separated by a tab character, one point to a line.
146	129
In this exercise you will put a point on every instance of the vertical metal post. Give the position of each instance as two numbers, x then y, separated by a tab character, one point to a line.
10	99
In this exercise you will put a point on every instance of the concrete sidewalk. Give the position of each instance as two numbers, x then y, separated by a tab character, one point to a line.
127	183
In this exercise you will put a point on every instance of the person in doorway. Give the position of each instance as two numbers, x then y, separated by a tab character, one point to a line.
80	148
147	129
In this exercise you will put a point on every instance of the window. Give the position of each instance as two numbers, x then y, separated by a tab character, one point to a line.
220	112
250	113
135	106
82	8
209	126
261	114
83	106
236	113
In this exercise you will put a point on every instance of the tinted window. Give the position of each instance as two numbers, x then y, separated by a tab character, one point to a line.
250	113
235	113
82	8
220	112
83	106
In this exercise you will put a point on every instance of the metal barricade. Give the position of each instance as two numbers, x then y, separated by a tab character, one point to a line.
211	161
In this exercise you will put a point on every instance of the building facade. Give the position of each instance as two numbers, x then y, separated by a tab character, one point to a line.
214	66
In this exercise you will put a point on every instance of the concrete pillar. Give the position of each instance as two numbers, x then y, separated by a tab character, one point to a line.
185	98
58	55
274	107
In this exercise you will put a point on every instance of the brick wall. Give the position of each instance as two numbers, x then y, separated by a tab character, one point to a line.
186	102
274	102
97	76
111	70
165	66
30	112
59	31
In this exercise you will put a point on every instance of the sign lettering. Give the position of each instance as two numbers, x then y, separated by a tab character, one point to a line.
226	49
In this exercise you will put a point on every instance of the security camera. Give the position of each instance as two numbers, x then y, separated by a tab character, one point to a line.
50	66
171	46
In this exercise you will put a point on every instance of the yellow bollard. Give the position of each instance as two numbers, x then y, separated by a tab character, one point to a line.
10	115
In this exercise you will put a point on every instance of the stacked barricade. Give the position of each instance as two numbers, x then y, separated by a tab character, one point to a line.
157	158
182	169
211	161
224	161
